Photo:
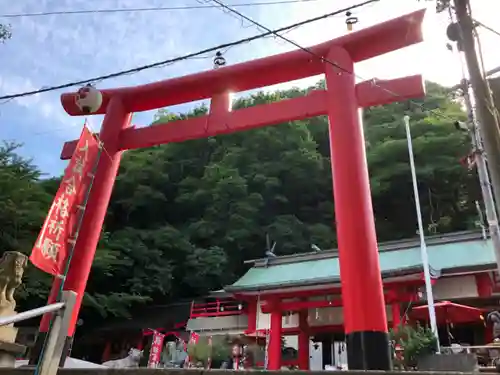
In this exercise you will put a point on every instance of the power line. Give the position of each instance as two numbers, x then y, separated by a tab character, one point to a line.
188	56
478	23
490	29
323	59
125	10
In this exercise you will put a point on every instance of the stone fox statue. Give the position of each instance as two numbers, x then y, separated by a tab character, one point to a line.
132	360
12	266
494	318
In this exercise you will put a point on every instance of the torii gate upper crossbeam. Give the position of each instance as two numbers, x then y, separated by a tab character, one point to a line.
373	92
361	45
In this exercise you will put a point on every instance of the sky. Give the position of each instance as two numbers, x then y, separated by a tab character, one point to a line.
55	49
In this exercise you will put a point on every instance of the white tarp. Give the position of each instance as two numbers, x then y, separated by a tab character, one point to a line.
69	363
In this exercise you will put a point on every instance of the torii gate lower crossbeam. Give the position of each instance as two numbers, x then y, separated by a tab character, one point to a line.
362	292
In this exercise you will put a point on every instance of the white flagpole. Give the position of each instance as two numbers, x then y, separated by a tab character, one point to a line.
423	247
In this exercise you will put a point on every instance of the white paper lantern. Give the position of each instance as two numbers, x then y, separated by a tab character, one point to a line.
88	99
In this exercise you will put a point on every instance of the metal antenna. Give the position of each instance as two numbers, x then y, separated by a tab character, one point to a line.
269	249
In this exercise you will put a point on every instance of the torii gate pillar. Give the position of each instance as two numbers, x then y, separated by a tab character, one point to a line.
365	321
362	293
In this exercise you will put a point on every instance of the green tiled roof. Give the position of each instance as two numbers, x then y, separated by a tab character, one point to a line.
447	252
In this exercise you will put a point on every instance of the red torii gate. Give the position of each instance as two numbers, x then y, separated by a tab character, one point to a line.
362	293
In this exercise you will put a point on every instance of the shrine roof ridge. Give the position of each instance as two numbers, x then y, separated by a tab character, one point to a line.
393	245
448	254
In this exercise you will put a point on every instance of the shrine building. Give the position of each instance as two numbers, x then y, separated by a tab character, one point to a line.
299	296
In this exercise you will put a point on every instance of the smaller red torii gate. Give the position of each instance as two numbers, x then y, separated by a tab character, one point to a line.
362	292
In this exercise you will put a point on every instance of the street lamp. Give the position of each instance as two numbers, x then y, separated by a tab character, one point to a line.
423	247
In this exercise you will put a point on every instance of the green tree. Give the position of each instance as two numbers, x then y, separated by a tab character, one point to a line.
5	32
23	206
443	181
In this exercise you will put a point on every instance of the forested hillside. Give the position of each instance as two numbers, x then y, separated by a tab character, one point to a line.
183	217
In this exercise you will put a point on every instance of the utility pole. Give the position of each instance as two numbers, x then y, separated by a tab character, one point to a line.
487	118
482	172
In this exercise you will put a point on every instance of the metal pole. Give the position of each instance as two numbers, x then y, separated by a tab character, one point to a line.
484	180
485	109
31	313
487	74
423	247
56	340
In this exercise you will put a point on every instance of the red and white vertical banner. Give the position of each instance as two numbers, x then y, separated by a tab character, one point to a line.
156	349
58	234
209	359
193	339
266	350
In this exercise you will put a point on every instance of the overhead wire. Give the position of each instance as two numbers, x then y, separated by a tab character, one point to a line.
185	57
198	55
241	20
326	60
479	23
490	29
127	10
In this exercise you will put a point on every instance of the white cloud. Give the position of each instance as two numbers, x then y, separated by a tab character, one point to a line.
45	105
47	51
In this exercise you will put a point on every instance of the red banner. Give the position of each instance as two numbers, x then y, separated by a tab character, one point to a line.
156	349
193	339
209	359
57	236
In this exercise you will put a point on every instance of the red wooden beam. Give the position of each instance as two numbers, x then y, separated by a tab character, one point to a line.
361	45
389	287
216	314
373	92
69	147
322	291
302	305
291	331
313	330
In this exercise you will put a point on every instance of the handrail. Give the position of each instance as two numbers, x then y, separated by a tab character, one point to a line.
220	307
220	302
217	308
472	347
52	353
31	313
217	304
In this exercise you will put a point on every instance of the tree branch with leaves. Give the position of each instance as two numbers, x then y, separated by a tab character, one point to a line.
5	32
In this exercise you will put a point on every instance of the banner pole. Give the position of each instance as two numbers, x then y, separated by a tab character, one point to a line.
80	220
70	254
